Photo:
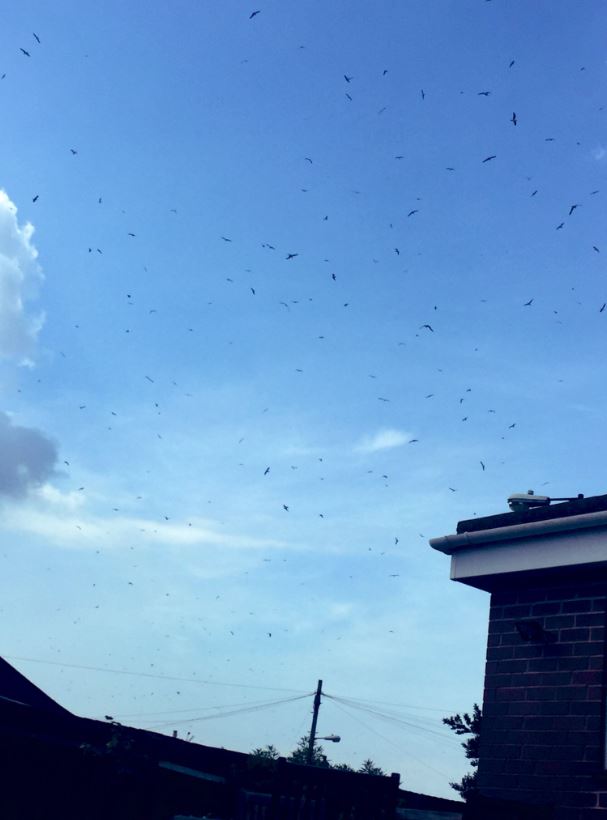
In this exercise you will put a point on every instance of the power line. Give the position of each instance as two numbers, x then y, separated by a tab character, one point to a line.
387	740
245	709
392	718
183	711
443	711
150	675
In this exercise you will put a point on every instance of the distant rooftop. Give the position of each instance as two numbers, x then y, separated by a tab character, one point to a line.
579	506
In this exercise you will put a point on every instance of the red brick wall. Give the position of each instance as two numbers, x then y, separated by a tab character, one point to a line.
542	738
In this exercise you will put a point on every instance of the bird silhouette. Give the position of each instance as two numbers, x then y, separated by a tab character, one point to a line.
487	159
36	37
513	119
427	327
27	54
254	14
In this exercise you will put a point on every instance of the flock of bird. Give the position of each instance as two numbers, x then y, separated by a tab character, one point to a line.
298	297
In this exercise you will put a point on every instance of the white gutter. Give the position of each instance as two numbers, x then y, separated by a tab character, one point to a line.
452	543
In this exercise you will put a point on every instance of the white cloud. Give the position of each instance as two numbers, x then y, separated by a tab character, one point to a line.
20	277
383	440
61	518
599	153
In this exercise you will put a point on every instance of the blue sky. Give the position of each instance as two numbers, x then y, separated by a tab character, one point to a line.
148	384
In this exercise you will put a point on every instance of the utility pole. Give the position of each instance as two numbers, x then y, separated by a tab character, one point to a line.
314	722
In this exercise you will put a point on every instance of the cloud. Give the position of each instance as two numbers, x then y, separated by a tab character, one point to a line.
599	153
27	461
62	519
383	440
20	277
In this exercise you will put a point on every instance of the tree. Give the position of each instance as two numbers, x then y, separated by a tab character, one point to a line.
268	752
369	767
300	754
466	724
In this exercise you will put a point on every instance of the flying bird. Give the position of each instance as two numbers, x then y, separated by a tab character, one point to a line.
483	466
527	304
36	37
558	227
423	93
27	54
415	211
285	508
74	152
225	239
572	208
254	14
291	255
348	79
483	93
428	327
493	156
594	247
35	199
513	119
603	306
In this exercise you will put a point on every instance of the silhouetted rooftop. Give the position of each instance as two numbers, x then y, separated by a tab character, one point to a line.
579	506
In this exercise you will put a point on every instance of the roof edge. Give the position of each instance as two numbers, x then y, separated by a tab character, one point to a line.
452	543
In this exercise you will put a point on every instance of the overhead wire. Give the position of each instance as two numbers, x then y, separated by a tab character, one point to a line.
231	713
392	718
199	681
397	746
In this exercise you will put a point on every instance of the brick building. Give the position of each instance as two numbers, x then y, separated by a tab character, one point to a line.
542	750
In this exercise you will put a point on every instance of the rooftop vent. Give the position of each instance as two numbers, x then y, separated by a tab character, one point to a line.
519	502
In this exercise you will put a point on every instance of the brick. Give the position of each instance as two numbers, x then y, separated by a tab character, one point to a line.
590	619
546	608
579	605
571	693
510	693
499	653
543	692
590	648
517	611
543	664
576	634
559	621
587	677
575	663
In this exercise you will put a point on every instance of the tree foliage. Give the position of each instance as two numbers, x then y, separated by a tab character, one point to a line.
319	758
300	754
466	724
369	767
268	752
